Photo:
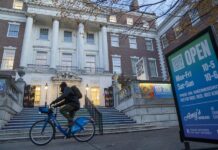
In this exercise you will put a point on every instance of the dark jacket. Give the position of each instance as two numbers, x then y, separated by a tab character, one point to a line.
68	96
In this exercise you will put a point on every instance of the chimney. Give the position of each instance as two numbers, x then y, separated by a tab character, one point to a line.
134	6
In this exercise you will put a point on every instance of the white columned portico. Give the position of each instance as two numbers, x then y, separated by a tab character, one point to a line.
54	47
26	41
80	46
105	47
101	55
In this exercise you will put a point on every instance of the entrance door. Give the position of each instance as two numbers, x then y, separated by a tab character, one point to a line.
28	99
95	96
37	97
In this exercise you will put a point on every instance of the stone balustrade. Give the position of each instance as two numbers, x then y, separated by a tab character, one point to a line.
148	102
11	98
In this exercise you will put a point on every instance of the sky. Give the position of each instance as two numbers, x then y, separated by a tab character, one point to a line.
158	9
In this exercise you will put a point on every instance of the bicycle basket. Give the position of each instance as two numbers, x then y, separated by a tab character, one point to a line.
43	109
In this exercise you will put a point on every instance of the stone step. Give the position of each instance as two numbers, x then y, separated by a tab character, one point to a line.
62	120
16	136
29	125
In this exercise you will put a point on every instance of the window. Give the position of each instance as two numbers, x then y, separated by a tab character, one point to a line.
164	41
90	63
194	16
113	18
13	30
132	42
177	30
129	21
18	4
37	95
41	58
90	38
149	44
67	36
66	59
115	40
134	60
153	67
145	24
43	34
116	64
8	59
95	96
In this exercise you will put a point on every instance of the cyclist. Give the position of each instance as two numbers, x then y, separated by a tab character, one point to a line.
68	102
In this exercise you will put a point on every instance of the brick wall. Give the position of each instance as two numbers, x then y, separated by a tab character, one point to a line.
126	52
208	17
6	3
9	41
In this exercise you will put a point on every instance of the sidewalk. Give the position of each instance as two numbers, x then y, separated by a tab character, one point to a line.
167	139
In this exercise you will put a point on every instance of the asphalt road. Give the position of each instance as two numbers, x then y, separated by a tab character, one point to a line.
167	139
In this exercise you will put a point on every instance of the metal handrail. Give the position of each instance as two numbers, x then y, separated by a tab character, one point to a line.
95	113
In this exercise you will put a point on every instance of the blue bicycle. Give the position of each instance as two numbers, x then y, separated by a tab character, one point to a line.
43	131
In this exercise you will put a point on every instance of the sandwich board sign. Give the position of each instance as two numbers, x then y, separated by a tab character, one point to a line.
193	69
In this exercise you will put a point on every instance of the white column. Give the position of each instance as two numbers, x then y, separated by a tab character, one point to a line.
161	57
80	46
54	47
26	41
101	55
105	48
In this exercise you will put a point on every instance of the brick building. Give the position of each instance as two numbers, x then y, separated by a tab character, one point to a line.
83	51
12	23
189	19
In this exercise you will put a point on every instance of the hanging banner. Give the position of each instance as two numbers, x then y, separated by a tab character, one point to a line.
194	75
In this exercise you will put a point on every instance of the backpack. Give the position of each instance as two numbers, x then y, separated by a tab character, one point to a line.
76	91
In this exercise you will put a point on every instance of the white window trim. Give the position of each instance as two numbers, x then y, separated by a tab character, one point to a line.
128	22
10	48
13	23
134	57
133	37
40	33
145	24
161	37
115	35
87	38
15	4
194	22
117	56
148	39
155	66
44	51
71	36
174	28
113	17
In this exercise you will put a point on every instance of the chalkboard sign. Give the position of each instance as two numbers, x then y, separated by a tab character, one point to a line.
193	69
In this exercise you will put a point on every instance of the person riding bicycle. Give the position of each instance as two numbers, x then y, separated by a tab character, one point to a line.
68	101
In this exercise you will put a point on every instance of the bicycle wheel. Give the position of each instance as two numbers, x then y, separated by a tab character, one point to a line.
87	133
42	132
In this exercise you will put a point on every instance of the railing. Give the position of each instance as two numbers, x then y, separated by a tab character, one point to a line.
68	69
95	113
123	94
37	68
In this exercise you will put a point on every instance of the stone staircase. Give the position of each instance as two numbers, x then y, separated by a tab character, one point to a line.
113	122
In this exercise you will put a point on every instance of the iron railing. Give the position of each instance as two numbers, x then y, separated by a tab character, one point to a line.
95	113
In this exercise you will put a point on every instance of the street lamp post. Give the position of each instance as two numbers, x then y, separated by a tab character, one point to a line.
46	94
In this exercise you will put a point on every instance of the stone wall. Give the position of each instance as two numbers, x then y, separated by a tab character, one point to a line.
11	98
160	112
